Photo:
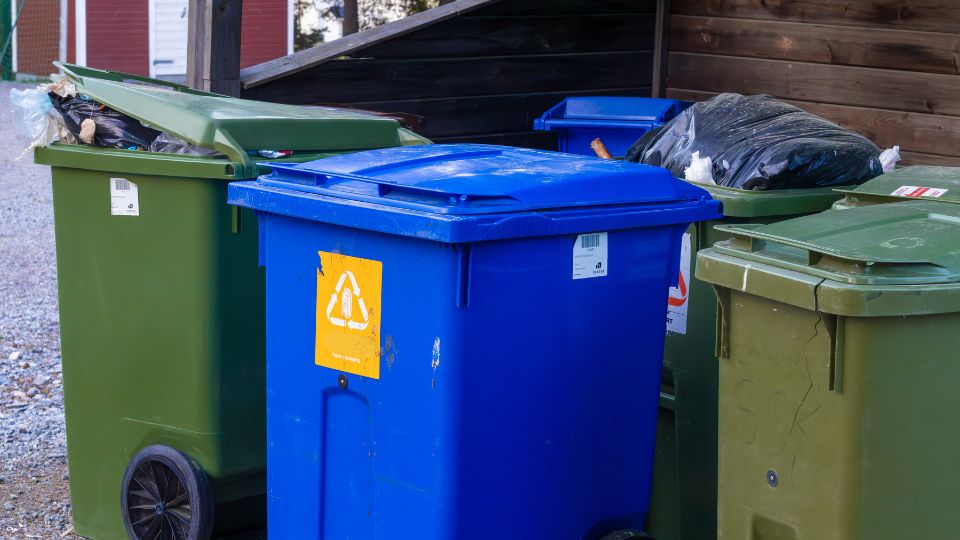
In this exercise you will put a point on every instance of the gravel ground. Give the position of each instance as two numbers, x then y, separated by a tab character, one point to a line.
34	486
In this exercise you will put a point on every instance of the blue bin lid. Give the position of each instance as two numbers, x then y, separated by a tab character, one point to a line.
460	181
464	179
618	108
609	112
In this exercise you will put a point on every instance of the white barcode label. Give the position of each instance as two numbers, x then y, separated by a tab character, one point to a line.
124	199
590	256
589	240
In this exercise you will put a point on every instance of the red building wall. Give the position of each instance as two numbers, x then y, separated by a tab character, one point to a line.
117	35
38	36
71	31
264	31
118	39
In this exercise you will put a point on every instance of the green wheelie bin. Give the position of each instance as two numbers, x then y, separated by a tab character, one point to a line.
838	340
685	472
916	182
162	305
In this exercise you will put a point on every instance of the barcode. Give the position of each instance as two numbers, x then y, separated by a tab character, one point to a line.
121	184
590	240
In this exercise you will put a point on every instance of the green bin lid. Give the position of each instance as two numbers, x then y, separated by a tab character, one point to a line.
743	203
916	182
898	258
234	126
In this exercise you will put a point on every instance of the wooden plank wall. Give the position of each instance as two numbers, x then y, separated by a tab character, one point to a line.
889	69
485	75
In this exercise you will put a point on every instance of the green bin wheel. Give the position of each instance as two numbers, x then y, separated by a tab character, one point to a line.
626	535
167	496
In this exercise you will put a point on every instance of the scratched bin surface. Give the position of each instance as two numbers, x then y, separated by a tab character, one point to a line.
464	341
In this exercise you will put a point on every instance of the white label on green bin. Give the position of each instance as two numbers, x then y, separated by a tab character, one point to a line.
919	191
590	256
679	297
124	200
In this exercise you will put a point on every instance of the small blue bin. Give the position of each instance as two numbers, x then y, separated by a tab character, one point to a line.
464	341
617	121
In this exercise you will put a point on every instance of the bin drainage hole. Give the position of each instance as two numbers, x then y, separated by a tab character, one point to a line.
772	479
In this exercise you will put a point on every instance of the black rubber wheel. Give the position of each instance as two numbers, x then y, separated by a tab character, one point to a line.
166	496
627	535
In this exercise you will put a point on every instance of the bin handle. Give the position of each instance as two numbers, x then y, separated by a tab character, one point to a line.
224	143
745	238
315	182
836	328
599	124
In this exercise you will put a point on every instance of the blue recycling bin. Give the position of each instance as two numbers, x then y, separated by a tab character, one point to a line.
464	341
617	121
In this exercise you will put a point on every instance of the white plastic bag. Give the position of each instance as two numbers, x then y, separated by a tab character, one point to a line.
700	170
889	158
37	118
33	106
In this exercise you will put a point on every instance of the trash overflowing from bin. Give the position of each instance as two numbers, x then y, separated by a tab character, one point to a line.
58	112
95	124
700	170
37	118
758	143
600	148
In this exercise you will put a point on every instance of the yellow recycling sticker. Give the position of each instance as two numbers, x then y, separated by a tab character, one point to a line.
348	314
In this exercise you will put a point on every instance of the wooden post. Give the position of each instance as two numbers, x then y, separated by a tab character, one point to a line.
351	17
661	48
213	46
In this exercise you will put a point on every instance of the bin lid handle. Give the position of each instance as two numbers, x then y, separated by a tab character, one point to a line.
224	143
316	182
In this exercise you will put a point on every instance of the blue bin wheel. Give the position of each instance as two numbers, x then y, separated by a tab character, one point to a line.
626	535
166	495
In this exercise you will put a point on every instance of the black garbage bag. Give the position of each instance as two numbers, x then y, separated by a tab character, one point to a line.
113	128
759	142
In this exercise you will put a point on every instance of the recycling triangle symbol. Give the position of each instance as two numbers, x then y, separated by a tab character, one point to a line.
345	297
